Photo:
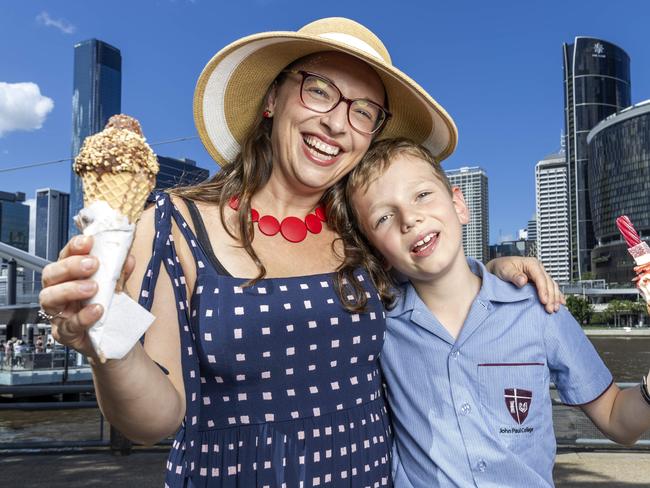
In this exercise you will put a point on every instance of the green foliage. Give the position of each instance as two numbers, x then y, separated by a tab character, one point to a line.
579	308
618	312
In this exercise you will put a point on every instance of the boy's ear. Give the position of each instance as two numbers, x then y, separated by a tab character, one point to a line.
460	206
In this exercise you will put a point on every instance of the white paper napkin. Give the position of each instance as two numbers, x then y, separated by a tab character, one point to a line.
124	323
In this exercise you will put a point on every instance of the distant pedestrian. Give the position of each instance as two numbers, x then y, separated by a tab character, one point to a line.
39	344
9	352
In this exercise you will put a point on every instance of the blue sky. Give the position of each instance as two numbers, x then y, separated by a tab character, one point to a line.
495	66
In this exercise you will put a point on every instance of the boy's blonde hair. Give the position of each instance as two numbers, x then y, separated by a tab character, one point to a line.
381	155
358	251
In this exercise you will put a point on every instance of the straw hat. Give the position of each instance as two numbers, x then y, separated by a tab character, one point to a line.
230	91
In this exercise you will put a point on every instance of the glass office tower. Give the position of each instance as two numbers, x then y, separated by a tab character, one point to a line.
619	174
178	172
51	231
97	95
596	84
14	220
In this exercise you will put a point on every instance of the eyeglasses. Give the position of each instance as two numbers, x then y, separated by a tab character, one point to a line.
321	95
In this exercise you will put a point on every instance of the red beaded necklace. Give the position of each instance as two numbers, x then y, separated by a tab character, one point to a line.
293	229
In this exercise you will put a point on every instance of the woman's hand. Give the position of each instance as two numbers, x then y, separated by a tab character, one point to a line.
520	270
66	285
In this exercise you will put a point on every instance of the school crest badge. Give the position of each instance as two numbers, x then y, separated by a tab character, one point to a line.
518	403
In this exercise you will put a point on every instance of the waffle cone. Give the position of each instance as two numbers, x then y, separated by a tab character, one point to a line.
124	191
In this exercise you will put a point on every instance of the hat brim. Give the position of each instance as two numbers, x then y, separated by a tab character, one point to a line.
231	88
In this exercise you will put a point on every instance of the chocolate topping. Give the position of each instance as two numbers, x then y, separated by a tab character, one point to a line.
120	147
121	121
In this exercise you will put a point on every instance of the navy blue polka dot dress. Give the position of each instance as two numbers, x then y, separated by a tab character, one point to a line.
282	383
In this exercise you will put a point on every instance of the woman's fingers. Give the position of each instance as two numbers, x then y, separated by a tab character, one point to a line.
77	245
72	331
547	289
58	297
70	268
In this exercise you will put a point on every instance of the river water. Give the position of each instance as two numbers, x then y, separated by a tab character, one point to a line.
628	358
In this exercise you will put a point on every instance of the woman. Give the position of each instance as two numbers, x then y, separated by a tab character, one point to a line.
274	381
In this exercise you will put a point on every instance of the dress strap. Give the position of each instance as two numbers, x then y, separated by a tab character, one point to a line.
164	254
162	232
202	236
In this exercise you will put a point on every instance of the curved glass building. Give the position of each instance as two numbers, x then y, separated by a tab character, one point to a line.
596	84
619	179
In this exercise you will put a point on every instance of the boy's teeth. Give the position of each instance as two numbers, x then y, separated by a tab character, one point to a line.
426	239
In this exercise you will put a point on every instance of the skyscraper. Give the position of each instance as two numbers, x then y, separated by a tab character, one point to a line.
473	182
14	220
178	172
531	229
97	95
596	84
51	231
552	208
619	172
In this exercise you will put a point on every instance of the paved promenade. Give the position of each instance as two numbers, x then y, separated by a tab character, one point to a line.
144	469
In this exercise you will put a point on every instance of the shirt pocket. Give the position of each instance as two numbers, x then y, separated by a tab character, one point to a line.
513	399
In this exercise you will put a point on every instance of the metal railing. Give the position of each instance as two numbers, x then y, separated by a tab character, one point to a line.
29	361
572	428
26	291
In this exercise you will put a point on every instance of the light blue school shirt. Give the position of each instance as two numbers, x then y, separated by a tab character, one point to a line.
476	411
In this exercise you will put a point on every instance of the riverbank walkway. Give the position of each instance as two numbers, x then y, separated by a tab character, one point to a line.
145	468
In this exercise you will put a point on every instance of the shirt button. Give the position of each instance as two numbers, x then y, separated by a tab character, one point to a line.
454	354
481	465
465	408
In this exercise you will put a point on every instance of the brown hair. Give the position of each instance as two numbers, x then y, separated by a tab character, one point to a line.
359	252
242	177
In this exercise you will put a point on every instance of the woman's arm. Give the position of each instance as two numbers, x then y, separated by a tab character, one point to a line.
622	415
133	393
520	270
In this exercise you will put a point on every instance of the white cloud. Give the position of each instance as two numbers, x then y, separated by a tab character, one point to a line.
61	24
22	107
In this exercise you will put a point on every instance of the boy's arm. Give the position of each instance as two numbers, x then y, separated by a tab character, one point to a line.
622	415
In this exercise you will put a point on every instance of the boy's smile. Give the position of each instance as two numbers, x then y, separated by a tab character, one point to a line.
410	217
425	246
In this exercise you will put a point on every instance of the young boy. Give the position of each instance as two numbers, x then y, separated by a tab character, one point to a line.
467	357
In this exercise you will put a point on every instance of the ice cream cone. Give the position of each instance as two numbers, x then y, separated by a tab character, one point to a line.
640	252
125	192
118	170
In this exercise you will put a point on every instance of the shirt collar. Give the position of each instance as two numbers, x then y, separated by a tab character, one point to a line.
493	290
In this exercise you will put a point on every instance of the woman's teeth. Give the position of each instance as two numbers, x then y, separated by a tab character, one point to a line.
319	149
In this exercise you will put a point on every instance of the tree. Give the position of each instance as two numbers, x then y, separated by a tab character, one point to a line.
579	308
626	308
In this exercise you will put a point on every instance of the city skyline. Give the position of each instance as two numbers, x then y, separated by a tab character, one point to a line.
507	103
597	84
473	182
